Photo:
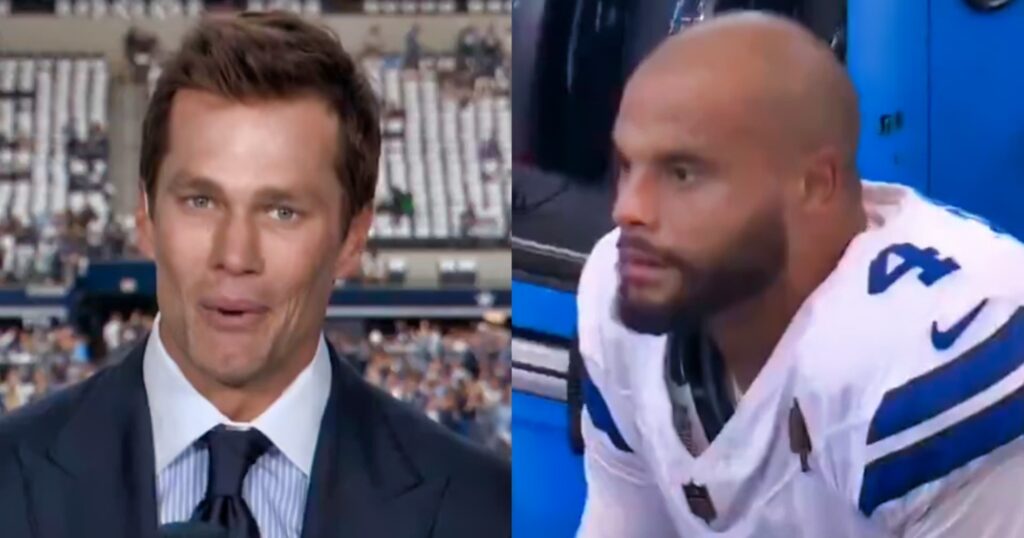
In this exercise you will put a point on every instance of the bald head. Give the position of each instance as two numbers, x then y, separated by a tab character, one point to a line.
736	144
769	72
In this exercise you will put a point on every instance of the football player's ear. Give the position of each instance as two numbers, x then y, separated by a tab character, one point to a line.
821	183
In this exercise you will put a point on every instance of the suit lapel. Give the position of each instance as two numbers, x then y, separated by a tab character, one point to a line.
363	482
100	467
98	472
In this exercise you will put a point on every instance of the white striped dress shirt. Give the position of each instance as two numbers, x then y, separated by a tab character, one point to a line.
276	486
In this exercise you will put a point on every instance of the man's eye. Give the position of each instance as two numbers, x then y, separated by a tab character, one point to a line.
284	213
199	202
681	173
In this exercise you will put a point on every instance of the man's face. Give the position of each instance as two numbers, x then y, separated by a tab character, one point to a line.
698	202
247	234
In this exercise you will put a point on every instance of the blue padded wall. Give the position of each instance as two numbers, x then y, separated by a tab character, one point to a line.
977	110
548	487
887	56
954	76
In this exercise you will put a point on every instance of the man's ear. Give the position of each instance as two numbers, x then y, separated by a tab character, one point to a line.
349	257
144	224
822	180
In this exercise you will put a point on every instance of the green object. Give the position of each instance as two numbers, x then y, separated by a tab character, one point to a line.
405	204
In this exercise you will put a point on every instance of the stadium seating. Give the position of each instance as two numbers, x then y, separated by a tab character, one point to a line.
432	152
158	9
444	171
398	6
444	176
390	7
53	122
161	9
53	156
308	7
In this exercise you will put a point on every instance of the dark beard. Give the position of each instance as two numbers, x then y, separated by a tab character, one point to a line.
753	264
648	319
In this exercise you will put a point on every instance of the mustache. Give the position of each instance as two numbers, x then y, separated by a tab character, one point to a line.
641	245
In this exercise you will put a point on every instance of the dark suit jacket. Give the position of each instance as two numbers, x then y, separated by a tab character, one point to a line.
79	464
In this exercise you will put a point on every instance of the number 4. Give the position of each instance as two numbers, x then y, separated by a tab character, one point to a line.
880	277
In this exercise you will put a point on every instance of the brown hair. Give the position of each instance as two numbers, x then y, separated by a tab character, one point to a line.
273	55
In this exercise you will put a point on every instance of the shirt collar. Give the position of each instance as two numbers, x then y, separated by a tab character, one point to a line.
180	415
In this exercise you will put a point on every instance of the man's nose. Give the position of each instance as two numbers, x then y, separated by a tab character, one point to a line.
236	249
636	199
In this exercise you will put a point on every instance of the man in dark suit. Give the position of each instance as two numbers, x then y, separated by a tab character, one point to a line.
259	163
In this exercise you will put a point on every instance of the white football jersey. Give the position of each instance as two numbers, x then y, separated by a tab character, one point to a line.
906	366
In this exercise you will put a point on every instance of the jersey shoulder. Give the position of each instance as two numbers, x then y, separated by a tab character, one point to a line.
611	353
912	359
595	297
919	288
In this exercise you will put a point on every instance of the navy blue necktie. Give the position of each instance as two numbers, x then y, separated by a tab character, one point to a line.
232	453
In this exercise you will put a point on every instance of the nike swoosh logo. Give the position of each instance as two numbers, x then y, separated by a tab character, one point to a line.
945	339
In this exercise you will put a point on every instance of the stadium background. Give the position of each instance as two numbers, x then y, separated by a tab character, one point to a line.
941	110
427	319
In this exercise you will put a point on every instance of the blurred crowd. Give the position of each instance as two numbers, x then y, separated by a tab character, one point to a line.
37	360
459	375
121	330
53	250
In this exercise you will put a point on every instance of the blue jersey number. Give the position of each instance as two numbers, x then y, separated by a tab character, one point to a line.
932	268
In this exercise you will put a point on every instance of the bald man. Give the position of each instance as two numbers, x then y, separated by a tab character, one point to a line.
775	348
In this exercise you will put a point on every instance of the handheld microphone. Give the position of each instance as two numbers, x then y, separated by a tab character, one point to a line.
190	529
